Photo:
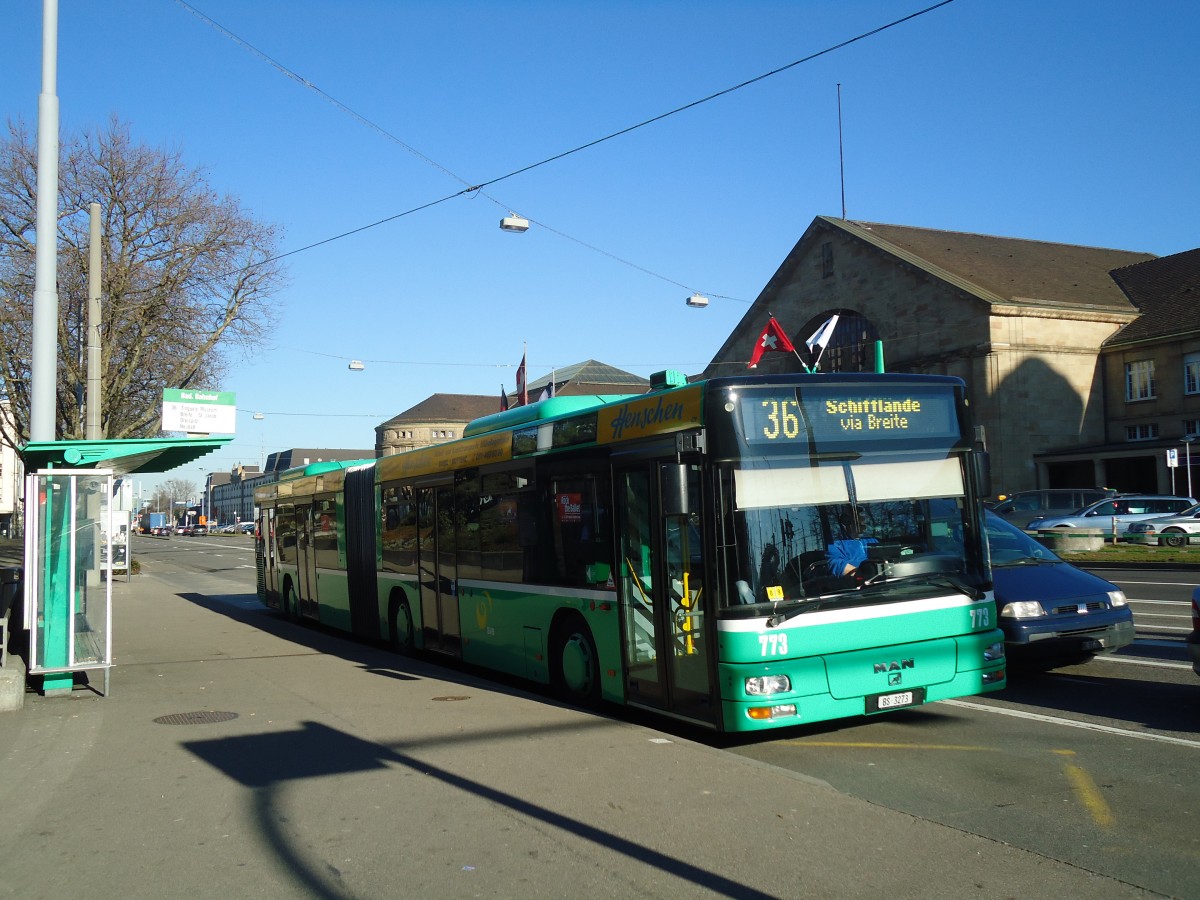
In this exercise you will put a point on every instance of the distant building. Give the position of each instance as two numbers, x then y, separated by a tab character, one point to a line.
588	377
229	496
12	477
435	420
1082	364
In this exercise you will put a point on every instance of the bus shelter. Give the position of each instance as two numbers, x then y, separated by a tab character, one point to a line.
69	545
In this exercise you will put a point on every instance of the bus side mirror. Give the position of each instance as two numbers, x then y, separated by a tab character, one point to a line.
675	490
981	466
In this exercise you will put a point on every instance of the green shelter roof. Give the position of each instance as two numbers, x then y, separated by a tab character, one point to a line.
124	457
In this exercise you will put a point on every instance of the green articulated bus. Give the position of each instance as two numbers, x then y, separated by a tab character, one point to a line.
742	553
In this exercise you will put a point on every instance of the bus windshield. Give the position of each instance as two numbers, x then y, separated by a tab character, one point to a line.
846	531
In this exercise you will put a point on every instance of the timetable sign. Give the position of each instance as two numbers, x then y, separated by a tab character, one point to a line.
199	412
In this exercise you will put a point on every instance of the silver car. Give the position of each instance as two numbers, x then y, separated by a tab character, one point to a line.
1114	515
1171	531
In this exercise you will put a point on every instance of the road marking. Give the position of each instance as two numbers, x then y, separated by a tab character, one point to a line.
1152	663
1087	792
884	745
1161	583
1072	723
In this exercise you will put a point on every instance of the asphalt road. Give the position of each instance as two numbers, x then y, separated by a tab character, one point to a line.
1091	765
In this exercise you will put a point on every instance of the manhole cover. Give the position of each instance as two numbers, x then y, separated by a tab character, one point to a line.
445	699
204	717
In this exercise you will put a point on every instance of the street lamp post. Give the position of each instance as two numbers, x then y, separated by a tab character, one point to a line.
1187	455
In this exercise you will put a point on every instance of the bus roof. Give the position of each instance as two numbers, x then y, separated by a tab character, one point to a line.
542	409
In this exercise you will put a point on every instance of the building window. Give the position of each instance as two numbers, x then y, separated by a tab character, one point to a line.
1191	373
1141	432
826	259
1139	380
1191	427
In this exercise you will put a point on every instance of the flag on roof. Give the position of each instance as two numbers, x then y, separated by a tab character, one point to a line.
503	399
822	335
772	338
522	387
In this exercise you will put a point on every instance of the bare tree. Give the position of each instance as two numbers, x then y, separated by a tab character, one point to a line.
172	491
186	280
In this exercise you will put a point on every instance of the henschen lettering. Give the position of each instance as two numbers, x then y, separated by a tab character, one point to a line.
643	418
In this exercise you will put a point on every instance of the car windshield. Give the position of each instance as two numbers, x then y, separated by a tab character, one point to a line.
1010	546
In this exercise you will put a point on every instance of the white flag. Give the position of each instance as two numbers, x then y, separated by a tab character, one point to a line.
822	335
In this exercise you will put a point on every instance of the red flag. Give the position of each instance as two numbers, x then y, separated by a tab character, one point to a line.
503	399
772	338
522	387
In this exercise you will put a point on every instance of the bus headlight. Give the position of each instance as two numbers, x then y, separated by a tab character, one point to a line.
764	685
993	652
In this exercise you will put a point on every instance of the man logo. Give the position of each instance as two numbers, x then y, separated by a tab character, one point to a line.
895	665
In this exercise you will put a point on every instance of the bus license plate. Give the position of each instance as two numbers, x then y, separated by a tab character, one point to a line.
898	700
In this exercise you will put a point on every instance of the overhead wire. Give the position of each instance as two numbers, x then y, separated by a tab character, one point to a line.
479	187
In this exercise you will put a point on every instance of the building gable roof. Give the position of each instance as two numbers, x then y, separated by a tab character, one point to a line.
1167	291
447	408
589	373
1007	270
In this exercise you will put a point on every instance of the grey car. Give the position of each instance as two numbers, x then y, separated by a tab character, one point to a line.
1114	514
1172	531
1023	507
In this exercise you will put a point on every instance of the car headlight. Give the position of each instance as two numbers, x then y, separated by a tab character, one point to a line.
1139	528
1116	598
763	685
1022	609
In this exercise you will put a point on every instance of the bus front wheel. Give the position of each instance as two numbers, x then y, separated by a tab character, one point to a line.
575	665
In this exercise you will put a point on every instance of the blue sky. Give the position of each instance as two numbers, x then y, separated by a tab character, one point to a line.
1068	121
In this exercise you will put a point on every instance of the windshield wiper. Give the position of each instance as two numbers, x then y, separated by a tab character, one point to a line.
937	578
803	607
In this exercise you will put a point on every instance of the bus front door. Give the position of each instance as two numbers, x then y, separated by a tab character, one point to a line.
437	569
665	639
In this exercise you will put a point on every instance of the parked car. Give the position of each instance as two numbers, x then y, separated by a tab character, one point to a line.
1173	531
1052	613
1113	514
1193	639
198	530
246	528
1023	507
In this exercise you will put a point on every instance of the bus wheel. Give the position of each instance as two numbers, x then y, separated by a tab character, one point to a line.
400	626
574	663
289	601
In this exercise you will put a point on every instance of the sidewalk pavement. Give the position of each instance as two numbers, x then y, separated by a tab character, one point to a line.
240	755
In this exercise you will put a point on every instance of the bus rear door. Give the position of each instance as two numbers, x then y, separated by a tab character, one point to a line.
437	569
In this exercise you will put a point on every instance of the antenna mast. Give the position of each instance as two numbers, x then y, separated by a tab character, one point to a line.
841	154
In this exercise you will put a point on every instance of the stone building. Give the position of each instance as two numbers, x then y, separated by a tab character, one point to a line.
435	420
1039	331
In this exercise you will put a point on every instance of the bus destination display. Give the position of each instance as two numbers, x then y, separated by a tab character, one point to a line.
829	415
